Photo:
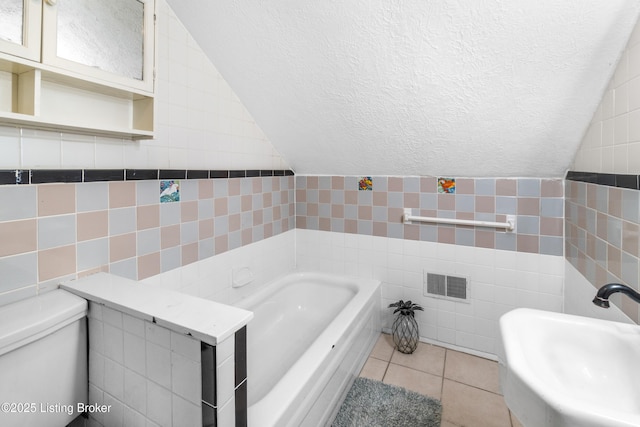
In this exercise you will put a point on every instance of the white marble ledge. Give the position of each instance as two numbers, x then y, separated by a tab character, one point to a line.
208	321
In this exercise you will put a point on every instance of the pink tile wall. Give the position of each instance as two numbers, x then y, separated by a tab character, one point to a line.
51	232
334	203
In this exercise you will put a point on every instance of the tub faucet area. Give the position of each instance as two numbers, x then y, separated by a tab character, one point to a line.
602	297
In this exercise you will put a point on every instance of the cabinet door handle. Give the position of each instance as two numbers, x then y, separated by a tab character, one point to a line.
51	2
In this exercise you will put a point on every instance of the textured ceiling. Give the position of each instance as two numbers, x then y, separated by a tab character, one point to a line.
417	87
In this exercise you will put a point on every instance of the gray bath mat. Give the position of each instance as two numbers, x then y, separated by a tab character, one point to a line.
371	403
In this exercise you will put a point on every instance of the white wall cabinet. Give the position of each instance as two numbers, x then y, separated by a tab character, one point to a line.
20	28
84	66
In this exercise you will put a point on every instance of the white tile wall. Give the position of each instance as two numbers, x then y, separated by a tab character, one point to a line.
611	143
150	375
200	122
499	281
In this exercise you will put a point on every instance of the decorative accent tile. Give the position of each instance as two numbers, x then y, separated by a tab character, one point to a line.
365	183
169	191
447	185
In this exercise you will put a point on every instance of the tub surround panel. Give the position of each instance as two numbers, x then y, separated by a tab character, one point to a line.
602	228
334	203
212	278
121	226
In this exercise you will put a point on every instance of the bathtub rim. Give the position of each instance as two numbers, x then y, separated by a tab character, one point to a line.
278	401
283	280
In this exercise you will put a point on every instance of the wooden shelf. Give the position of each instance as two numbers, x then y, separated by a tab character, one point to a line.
27	121
35	96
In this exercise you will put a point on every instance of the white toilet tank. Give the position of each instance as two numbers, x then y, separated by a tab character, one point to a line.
43	360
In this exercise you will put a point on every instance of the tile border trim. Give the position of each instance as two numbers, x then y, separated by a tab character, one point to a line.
46	176
609	179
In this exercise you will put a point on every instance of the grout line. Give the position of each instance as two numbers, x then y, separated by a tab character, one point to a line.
476	387
388	364
444	369
386	369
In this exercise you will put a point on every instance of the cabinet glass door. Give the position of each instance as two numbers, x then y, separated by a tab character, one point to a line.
11	20
20	28
107	35
111	40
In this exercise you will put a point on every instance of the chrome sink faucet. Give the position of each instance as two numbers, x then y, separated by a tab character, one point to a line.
602	297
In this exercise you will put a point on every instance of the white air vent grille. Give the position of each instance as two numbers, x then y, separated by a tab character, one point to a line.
436	284
457	287
445	286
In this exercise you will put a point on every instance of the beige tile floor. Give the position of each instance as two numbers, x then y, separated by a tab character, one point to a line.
467	386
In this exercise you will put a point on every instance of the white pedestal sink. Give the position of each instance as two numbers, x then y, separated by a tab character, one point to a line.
561	370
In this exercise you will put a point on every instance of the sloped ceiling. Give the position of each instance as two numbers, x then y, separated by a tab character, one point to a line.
417	87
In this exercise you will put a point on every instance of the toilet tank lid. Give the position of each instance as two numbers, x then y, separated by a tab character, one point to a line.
30	319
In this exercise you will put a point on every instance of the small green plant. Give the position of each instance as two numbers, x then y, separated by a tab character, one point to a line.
406	308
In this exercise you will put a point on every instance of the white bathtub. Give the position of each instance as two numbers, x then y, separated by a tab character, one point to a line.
310	335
